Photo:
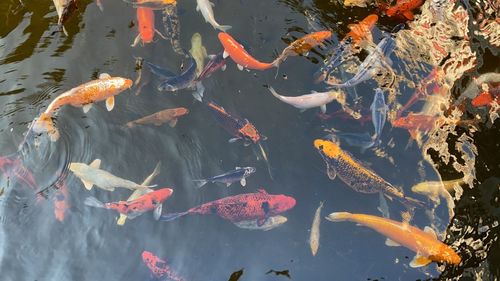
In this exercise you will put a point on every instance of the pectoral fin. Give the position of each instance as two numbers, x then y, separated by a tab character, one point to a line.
332	174
225	54
121	220
104	75
243	182
110	103
240	67
88	185
419	261
96	164
157	211
87	107
173	123
323	108
391	243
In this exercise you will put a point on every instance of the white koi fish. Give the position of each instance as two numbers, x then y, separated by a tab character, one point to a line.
314	99
271	222
205	8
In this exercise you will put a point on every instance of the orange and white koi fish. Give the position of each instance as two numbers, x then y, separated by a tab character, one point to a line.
104	88
303	45
238	54
424	243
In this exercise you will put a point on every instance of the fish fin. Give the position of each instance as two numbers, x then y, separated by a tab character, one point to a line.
261	222
338	216
200	183
240	67
408	15
225	54
173	123
224	28
121	220
87	107
228	184
136	41
263	137
243	182
53	134
160	34
247	143
104	75
96	164
323	108
261	190
224	67
88	185
110	103
93	202
173	216
197	7
430	231
419	261
198	94
302	110
157	211
391	243
233	140
130	124
331	172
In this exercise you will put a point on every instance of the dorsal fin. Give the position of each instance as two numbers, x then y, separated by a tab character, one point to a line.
261	190
104	76
96	164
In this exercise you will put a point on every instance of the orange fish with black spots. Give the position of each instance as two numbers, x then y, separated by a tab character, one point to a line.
104	88
159	268
239	55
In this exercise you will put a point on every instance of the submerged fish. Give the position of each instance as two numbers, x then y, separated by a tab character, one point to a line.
159	268
173	29
379	113
416	123
150	201
13	169
239	174
104	88
65	9
377	59
205	8
436	190
303	45
361	140
169	116
92	175
250	206
424	243
314	99
139	192
314	236
404	8
355	175
61	200
271	222
181	81
215	63
151	4
238	54
198	52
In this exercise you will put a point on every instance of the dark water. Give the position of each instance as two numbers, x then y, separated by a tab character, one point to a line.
38	62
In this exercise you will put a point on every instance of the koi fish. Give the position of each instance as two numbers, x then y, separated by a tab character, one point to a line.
65	9
361	140
250	206
484	99
137	207
159	71
436	190
416	123
104	88
241	129
355	175
198	52
169	116
238	54
91	175
159	268
61	201
215	63
205	8
151	4
376	60
139	192
181	81
404	8
173	28
360	33
314	99
423	243
13	168
238	174
314	236
146	26
379	113
303	45
271	222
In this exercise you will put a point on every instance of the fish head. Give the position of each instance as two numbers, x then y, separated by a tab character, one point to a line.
123	83
163	194
149	259
370	21
181	111
281	203
196	40
327	149
78	168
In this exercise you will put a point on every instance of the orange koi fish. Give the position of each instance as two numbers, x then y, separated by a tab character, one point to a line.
104	88
416	123
238	54
153	4
424	243
404	8
303	45
362	30
485	98
146	25
61	201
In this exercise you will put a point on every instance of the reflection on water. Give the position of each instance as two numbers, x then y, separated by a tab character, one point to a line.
434	140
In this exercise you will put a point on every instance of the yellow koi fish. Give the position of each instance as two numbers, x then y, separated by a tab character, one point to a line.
424	243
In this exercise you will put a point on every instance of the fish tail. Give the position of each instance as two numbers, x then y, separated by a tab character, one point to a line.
339	216
130	124
93	202
410	202
224	28
200	183
172	216
273	92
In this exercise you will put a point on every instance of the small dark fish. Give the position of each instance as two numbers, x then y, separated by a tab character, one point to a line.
215	63
182	81
159	71
235	276
282	272
173	29
239	174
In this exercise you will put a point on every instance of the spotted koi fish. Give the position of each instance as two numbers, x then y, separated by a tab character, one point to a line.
159	268
250	206
355	175
173	29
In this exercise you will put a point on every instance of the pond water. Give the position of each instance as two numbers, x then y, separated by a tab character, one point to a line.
47	232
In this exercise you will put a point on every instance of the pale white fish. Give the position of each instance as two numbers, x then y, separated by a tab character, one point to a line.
383	207
436	190
205	8
92	175
139	192
270	223
314	99
314	235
